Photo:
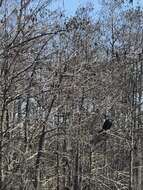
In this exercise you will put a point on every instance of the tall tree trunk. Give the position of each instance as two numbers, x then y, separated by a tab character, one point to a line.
75	182
133	125
139	148
40	147
26	123
90	168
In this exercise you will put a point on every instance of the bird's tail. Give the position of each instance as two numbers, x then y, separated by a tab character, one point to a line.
101	131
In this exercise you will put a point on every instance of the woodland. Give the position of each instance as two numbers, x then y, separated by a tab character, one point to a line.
60	77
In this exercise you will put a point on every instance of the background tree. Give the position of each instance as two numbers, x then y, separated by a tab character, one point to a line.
59	77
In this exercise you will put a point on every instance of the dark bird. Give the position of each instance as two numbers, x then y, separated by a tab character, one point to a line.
106	126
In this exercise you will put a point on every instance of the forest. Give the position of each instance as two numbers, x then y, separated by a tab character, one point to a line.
71	96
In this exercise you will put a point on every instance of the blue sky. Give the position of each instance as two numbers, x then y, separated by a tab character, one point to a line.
70	6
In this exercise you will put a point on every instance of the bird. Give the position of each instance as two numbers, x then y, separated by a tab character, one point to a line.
106	126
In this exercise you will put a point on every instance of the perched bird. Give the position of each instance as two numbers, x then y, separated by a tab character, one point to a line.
107	125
